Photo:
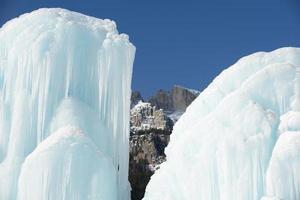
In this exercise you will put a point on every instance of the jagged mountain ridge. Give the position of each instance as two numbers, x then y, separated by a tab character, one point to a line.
173	102
151	123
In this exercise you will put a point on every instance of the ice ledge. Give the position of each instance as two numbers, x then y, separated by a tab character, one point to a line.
60	15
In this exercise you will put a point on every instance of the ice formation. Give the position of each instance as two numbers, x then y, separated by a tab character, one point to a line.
64	107
240	139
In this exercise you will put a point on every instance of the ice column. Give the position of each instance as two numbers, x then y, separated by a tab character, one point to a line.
221	147
65	83
295	104
283	178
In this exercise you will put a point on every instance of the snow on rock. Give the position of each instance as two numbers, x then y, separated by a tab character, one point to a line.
145	117
174	116
222	145
59	69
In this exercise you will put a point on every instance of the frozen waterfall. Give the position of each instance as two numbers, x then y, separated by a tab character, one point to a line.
240	139
65	83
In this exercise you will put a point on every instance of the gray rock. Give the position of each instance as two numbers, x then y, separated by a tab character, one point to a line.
146	154
151	124
175	100
149	135
182	97
162	100
144	117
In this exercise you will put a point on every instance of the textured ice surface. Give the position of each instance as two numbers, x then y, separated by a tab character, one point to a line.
221	147
64	107
67	165
283	177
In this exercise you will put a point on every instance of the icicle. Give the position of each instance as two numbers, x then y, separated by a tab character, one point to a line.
64	121
295	104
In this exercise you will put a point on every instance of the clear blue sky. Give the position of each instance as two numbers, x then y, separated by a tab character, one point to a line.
185	42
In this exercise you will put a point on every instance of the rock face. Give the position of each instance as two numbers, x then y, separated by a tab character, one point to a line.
162	99
150	131
151	125
182	97
174	102
146	153
144	118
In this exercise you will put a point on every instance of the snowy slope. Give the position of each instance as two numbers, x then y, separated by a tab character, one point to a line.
64	99
222	145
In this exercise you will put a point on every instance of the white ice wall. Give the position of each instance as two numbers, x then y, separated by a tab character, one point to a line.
221	147
65	82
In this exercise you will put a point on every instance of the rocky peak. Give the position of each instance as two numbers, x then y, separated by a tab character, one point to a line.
175	100
151	124
135	98
162	100
182	97
150	129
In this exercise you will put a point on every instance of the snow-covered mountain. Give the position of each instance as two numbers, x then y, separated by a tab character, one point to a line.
240	138
173	102
149	135
150	131
65	82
